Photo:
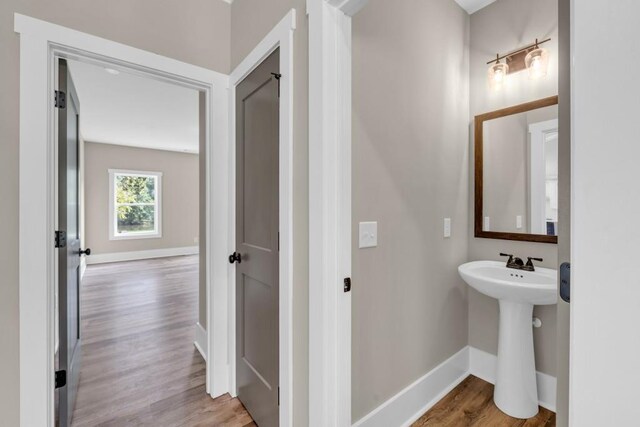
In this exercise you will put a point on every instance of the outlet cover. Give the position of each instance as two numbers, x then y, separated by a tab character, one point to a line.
447	227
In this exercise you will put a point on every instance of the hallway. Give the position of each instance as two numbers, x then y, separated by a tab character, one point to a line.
139	364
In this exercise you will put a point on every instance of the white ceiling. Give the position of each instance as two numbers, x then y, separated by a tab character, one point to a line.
127	109
472	6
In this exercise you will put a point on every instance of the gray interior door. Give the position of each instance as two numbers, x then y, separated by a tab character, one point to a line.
257	131
69	355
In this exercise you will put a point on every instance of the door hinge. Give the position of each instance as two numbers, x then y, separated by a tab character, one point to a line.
60	239
278	76
347	284
278	396
60	99
61	379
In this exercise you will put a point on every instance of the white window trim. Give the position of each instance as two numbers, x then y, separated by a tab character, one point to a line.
157	233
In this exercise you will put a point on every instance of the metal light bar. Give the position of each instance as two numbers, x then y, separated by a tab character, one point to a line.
531	46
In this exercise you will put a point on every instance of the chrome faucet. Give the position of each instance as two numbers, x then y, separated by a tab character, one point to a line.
517	263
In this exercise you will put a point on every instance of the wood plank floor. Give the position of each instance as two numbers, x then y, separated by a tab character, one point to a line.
139	365
471	404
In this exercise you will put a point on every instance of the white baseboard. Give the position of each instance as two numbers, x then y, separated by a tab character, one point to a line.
407	406
135	255
483	365
411	403
201	340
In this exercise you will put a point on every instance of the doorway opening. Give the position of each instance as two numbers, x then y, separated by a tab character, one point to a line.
132	263
41	45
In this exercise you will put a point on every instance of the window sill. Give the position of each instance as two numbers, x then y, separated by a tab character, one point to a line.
136	236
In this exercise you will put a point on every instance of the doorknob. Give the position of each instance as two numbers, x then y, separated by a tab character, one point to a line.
235	257
85	252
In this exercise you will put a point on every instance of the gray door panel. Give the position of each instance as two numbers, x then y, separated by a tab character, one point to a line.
70	350
257	135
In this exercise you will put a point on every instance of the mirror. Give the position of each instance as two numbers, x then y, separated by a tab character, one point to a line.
516	172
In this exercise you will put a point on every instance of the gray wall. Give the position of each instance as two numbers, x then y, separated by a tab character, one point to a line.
502	27
250	21
196	32
410	171
506	169
179	196
505	181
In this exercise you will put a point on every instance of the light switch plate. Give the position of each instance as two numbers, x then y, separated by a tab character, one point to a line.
487	224
518	222
368	234
447	227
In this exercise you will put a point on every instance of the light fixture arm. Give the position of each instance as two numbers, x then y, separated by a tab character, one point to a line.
531	46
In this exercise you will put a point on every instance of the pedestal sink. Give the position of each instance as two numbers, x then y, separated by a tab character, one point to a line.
517	292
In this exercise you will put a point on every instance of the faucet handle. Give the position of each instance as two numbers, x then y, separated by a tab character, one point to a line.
510	257
530	262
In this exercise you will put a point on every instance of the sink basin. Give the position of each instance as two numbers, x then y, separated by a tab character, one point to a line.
517	292
494	279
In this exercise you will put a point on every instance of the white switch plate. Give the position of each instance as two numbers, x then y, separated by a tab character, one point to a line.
368	232
447	227
518	222
487	224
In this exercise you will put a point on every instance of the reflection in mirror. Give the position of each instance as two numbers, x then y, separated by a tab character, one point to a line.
518	168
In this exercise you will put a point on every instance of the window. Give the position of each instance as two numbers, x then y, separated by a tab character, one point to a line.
134	204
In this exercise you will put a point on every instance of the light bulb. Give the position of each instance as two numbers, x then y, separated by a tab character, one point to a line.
497	75
537	62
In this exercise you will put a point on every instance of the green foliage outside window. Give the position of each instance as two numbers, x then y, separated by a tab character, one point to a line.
135	201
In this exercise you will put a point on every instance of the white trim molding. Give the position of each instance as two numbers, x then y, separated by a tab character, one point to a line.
330	210
41	43
138	255
157	202
483	365
416	399
201	341
281	36
538	137
411	403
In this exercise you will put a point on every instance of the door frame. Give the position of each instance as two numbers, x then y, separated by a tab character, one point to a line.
537	191
330	210
40	44
281	36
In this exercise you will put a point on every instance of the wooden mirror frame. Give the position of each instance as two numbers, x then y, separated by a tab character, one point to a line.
479	171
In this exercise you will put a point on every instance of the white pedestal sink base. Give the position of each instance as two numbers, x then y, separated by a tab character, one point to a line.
516	392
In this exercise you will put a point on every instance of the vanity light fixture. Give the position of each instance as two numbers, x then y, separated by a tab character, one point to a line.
497	74
533	58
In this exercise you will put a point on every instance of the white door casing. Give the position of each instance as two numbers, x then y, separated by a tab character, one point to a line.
40	43
538	133
330	210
